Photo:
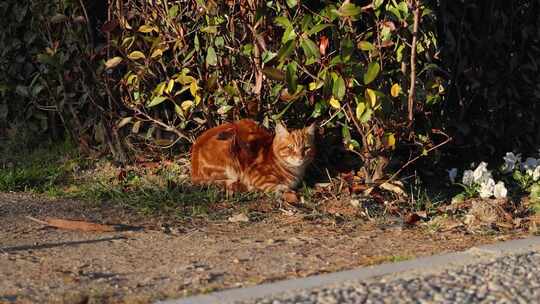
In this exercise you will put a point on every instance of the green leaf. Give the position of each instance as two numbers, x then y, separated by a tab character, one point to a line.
372	72
170	86
366	46
338	86
288	35
349	10
291	78
268	55
156	100
247	49
402	6
224	109
146	28
193	88
160	88
292	3
211	58
286	50
219	42
211	29
315	85
370	96
347	49
360	109
394	11
307	22
185	79
135	55
377	4
310	50
186	105
274	74
196	43
399	53
345	133
283	22
317	28
178	110
366	116
334	103
173	11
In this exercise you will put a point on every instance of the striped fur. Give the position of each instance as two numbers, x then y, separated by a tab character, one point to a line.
245	156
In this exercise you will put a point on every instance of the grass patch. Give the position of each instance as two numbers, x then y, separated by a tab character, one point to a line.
178	201
58	170
40	170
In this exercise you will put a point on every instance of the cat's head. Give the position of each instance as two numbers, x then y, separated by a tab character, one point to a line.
296	148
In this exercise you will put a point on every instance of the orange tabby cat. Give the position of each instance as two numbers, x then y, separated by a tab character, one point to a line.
245	156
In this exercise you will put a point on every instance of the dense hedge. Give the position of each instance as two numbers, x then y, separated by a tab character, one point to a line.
491	51
138	74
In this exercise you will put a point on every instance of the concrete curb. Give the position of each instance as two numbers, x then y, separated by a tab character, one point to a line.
425	264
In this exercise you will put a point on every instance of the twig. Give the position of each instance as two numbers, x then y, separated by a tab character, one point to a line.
448	139
412	88
37	220
331	117
165	126
359	129
88	26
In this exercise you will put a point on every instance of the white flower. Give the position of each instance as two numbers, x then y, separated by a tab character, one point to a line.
452	174
510	161
536	173
529	164
467	179
486	188
481	173
499	190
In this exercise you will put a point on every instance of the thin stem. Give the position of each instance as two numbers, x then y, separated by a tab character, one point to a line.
412	88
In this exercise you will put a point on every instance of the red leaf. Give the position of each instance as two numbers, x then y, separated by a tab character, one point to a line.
323	44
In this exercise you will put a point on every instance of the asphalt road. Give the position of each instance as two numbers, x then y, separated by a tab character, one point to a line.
507	272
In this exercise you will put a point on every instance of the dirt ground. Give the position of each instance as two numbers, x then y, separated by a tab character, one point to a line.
41	264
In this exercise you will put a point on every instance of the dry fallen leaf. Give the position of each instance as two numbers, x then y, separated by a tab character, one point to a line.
241	217
358	188
74	225
394	186
290	197
411	218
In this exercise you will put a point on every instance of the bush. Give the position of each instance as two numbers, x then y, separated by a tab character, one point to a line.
185	67
139	74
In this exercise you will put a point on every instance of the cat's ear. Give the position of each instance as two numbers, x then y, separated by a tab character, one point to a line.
281	130
311	129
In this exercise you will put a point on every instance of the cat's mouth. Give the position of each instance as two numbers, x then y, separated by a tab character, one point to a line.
295	162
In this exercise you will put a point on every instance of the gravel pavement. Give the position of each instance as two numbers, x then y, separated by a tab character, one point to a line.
505	272
510	279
